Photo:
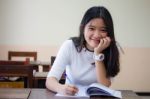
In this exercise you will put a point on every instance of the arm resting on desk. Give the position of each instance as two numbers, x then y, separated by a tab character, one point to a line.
53	84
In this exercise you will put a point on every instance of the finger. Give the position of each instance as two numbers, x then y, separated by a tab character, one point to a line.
108	41
67	90
74	87
71	90
101	43
105	42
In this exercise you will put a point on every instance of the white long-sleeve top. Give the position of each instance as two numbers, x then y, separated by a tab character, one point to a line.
78	65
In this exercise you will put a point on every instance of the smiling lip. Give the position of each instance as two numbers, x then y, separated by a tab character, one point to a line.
96	40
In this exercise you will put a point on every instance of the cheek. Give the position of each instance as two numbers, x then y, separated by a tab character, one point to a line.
104	35
86	35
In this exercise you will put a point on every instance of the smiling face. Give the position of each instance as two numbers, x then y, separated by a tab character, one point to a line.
94	31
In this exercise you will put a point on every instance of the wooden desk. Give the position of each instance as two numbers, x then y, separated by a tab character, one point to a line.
12	93
39	76
18	71
46	94
19	68
46	65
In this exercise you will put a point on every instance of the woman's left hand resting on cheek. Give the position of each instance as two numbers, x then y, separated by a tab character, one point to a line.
104	43
100	67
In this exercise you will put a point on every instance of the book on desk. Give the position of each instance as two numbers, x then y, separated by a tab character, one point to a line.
95	89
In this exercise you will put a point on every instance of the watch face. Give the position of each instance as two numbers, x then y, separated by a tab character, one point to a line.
99	57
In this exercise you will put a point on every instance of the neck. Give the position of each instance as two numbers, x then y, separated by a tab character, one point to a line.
89	48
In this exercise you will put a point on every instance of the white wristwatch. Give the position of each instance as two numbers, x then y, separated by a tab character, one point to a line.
99	57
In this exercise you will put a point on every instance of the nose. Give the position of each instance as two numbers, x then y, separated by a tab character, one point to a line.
97	34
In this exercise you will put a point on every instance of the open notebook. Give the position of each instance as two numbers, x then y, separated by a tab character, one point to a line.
95	89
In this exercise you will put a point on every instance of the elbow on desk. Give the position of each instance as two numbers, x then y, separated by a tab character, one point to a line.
47	83
51	83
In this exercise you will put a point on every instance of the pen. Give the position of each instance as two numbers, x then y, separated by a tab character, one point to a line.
67	78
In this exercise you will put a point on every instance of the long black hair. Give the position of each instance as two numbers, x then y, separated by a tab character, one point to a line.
111	53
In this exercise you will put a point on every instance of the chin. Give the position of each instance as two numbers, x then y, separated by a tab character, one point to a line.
94	45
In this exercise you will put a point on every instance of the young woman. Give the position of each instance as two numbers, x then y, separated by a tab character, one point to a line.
92	57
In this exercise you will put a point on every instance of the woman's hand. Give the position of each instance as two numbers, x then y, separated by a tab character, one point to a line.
104	43
68	89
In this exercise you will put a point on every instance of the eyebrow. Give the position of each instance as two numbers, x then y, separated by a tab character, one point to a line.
91	25
104	27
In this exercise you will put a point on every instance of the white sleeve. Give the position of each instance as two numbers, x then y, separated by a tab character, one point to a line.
61	61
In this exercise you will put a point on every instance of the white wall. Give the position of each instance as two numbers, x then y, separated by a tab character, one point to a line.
42	26
42	21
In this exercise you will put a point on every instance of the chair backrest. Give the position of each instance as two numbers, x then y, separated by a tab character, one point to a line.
52	59
5	62
28	54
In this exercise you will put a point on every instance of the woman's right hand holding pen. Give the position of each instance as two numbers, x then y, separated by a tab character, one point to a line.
68	89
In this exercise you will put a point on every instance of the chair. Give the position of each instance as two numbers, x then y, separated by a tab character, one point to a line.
62	80
13	69
52	59
27	55
40	77
24	54
5	62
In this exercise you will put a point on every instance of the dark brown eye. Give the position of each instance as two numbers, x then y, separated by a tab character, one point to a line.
90	28
103	30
